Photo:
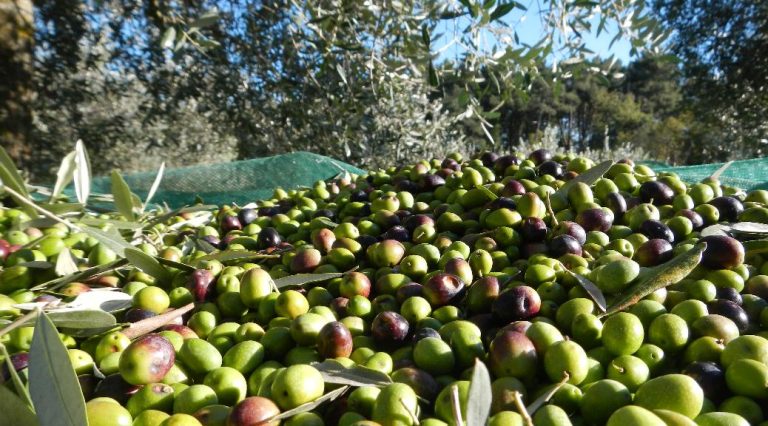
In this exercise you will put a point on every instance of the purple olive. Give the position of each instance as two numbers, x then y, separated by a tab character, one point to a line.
710	376
696	220
540	155
729	207
231	223
659	192
513	188
408	290
199	283
617	203
533	229
730	310
502	163
573	229
138	314
442	288
729	293
414	221
268	237
515	304
656	229
653	252
115	387
334	340
594	220
722	252
389	329
564	244
423	333
551	168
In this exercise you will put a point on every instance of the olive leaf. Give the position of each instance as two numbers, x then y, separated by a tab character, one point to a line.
62	208
330	396
82	319
755	247
117	224
589	177
82	173
122	195
114	242
593	291
53	383
480	395
189	209
659	277
334	372
65	263
148	264
749	228
155	183
716	229
36	264
178	265
488	193
107	299
298	280
13	411
64	175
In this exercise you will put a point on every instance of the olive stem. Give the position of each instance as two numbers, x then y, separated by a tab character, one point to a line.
521	408
143	327
548	205
455	405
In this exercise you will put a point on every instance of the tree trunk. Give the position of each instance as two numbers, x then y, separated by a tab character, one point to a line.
16	87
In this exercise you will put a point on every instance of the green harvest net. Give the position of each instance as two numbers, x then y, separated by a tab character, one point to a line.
242	182
238	182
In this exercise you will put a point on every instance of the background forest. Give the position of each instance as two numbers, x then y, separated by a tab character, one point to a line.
365	81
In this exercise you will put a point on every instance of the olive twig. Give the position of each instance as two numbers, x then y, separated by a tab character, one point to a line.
521	408
455	405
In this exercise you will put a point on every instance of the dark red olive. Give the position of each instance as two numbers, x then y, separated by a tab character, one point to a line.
398	233
710	376
564	244
412	222
268	237
423	333
268	211
408	290
657	229
517	303
231	223
696	220
19	360
616	203
533	229
334	340
137	314
573	229
450	163
359	196
722	252
430	182
653	252
489	158
729	207
656	191
407	186
502	202
729	293
442	288
551	168
503	162
513	188
212	240
328	213
594	220
422	382
199	283
730	310
186	332
339	306
540	155
389	329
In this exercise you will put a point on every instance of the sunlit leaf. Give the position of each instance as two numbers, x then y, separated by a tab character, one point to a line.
82	173
53	383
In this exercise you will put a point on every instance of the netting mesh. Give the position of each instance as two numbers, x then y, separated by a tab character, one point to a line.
236	182
242	182
745	174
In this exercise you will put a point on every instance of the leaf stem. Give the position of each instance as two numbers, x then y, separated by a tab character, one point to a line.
145	326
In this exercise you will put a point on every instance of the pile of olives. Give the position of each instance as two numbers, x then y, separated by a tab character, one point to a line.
438	264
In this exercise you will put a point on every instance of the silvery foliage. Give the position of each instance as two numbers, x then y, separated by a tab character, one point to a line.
355	80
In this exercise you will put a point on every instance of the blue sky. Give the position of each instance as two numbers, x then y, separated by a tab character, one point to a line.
529	28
